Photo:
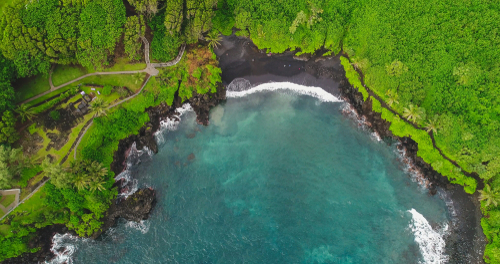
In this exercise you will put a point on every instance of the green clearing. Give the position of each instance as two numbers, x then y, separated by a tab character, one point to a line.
28	87
65	73
7	200
49	95
131	81
123	64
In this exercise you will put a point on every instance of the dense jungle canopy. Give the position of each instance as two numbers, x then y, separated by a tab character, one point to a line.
436	62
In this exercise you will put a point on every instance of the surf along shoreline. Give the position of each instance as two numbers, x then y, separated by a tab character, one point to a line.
243	64
242	61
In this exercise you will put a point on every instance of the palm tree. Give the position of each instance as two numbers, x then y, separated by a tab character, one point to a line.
97	184
138	77
100	107
25	112
81	181
213	40
489	196
393	98
413	113
97	170
432	125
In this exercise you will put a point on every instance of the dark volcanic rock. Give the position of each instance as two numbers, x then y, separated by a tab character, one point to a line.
43	240
135	208
203	103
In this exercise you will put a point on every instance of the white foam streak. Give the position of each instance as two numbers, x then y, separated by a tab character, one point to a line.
431	243
142	226
63	248
171	123
130	185
241	89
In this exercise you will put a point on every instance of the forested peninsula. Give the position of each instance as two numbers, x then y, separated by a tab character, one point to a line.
79	76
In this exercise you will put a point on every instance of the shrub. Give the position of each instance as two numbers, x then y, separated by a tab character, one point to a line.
123	92
55	115
353	77
32	129
107	90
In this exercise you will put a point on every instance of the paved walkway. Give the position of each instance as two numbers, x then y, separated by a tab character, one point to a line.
14	204
150	70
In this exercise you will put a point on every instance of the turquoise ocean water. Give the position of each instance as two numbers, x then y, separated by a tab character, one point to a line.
276	178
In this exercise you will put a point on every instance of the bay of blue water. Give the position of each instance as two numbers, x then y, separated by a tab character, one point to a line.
274	178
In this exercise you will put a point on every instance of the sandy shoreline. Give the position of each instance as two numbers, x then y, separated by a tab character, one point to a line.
239	58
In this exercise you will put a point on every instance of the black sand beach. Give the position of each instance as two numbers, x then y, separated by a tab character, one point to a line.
240	59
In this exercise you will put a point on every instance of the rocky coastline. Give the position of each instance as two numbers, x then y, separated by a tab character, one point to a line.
240	58
139	205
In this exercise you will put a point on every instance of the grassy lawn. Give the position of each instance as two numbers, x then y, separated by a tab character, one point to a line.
29	211
28	87
26	191
128	80
49	95
7	200
4	228
63	74
124	65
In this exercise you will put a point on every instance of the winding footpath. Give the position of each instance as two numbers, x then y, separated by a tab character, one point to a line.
150	70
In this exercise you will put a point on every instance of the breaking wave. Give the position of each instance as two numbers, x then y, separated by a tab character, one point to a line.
142	226
129	185
171	123
431	243
241	87
63	248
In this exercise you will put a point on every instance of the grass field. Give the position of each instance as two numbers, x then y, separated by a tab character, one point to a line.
28	87
49	95
132	81
63	74
7	200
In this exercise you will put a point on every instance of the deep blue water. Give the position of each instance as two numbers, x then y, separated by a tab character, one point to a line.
276	178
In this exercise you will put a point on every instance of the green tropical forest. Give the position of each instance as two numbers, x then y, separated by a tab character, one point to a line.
431	68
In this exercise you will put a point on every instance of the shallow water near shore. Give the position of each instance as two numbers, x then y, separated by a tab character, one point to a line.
277	177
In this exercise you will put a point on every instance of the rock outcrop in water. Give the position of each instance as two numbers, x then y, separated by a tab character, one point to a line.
135	208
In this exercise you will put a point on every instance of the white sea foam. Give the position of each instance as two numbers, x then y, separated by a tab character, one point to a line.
241	87
171	123
431	242
142	226
130	185
376	136
411	169
63	248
